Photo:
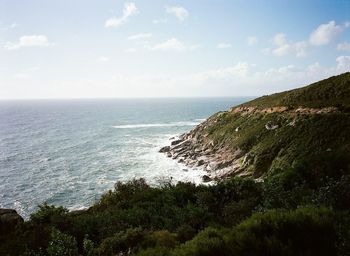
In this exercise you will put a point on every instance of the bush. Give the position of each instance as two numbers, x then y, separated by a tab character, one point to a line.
62	244
122	242
48	214
305	231
209	242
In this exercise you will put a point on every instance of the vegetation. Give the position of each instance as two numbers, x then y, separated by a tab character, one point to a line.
302	207
303	210
334	91
296	135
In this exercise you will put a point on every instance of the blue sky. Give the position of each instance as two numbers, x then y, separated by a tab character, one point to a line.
91	49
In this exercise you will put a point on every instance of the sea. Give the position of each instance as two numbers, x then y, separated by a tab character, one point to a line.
69	152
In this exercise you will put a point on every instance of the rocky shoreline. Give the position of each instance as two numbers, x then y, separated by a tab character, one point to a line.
195	150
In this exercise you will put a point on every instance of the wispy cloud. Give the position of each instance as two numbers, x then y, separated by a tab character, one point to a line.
345	46
102	59
129	10
284	47
130	50
252	40
8	27
180	12
172	44
29	41
159	21
140	36
26	73
223	45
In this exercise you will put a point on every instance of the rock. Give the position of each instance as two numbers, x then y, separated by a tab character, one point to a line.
175	142
77	212
9	219
206	178
200	162
248	160
172	138
185	170
270	126
164	149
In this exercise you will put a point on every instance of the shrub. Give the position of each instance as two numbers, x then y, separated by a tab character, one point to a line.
305	231
62	244
122	242
209	242
48	214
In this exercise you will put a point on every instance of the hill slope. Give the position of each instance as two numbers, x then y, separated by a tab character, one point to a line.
271	131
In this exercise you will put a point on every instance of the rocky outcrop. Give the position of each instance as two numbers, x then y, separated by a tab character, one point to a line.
9	219
195	150
217	151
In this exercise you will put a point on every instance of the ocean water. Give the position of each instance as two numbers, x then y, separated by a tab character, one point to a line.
69	152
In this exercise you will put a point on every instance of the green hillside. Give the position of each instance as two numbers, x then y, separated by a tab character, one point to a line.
334	91
275	131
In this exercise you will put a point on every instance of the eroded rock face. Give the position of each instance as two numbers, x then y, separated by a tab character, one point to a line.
9	219
195	150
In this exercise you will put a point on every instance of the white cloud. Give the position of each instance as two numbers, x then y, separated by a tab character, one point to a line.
8	27
130	50
325	33
343	63
266	51
279	39
102	59
140	36
180	12
223	46
240	70
26	73
347	24
238	79
345	46
285	47
252	40
29	41
246	79
159	21
130	9
172	44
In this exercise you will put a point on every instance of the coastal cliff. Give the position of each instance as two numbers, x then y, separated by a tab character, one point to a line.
269	132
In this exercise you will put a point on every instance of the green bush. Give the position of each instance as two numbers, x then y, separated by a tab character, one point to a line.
122	242
305	231
209	242
48	214
62	244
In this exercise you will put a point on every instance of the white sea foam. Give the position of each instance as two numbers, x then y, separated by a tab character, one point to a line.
173	124
156	167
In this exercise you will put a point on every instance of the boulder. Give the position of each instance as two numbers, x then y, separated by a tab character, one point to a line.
200	162
175	142
206	178
9	219
164	149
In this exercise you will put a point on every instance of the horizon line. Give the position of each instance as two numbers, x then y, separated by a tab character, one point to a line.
130	98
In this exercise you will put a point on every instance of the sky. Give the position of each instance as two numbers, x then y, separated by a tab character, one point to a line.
153	48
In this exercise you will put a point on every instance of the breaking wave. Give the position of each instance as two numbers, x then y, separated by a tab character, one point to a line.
173	124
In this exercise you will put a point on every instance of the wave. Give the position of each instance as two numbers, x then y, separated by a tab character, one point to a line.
173	124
